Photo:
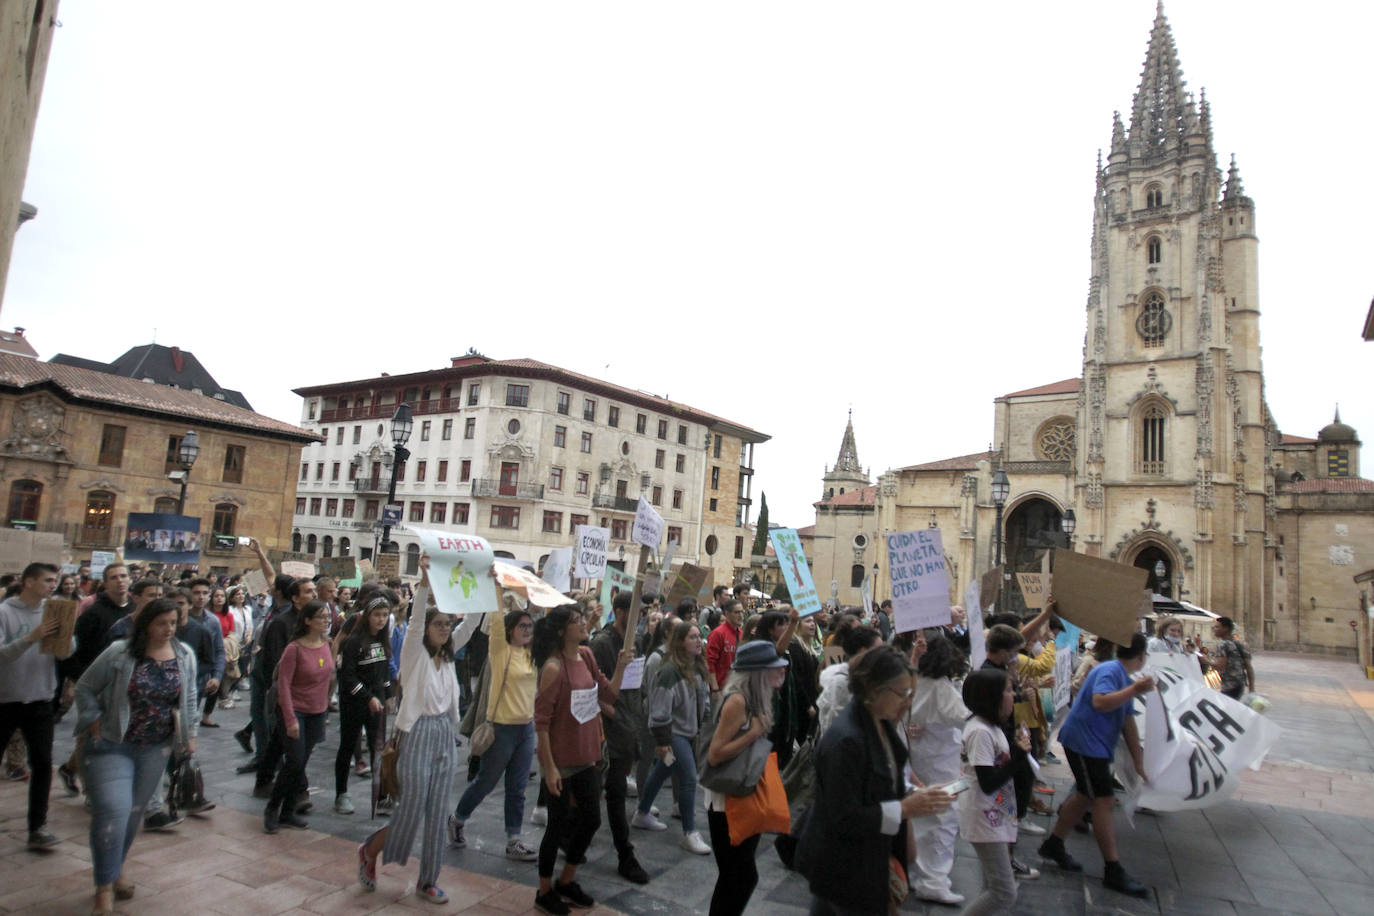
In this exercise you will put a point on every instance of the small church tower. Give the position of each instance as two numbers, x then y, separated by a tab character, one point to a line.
847	474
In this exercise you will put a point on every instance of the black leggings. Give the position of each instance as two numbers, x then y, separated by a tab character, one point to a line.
738	871
291	781
353	718
574	813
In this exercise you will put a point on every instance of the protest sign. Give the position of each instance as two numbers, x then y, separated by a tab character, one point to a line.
525	583
687	582
795	571
99	560
255	582
615	579
1100	596
298	570
459	571
1032	590
990	587
388	565
977	644
866	595
1183	664
1065	661
590	553
162	537
556	568
1196	742
649	585
920	581
64	612
339	567
634	674
648	526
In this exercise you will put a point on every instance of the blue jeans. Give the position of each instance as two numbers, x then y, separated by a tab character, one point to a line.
685	768
510	753
120	778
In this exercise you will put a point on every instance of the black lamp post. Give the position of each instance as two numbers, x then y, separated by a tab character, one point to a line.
1161	578
1001	489
186	457
401	425
1067	524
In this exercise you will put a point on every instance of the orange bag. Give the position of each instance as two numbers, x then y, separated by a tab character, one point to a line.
765	811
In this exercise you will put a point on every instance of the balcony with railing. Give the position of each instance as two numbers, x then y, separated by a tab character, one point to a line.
615	503
77	534
372	485
385	411
501	489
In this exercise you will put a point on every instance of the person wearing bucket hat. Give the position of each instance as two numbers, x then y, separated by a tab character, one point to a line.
746	716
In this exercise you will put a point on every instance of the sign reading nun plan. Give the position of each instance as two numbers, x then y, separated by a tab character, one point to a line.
589	561
920	582
459	571
792	562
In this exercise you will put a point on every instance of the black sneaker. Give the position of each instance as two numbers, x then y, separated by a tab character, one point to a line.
68	780
551	903
574	894
249	767
291	819
1114	878
632	871
1022	871
270	819
1053	850
161	821
455	833
245	739
42	838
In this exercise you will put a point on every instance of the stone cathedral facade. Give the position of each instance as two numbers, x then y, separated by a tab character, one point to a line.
1163	445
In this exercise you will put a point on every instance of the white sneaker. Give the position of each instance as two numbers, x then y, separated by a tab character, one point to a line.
653	809
692	842
642	821
1030	829
946	897
540	817
631	787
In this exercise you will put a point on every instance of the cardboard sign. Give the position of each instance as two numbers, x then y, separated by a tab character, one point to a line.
339	567
298	570
1099	595
990	587
795	570
615	579
688	582
459	571
648	527
557	568
1196	742
256	582
920	580
977	641
1065	663
523	582
64	612
1032	590
99	560
388	565
589	561
281	556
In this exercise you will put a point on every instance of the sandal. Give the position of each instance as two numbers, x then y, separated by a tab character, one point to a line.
123	890
367	869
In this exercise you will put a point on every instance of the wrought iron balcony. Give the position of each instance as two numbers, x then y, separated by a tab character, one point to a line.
372	485
497	489
615	503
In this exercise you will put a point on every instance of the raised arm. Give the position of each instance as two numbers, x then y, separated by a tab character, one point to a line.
264	564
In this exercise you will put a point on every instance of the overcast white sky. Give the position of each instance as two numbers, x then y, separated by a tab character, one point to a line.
771	211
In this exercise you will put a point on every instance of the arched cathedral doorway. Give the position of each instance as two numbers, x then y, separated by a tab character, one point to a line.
1031	527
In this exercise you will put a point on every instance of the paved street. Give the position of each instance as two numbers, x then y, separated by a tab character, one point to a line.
1297	838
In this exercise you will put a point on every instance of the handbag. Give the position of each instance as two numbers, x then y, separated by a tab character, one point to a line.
186	787
763	810
740	774
485	732
799	776
388	777
476	713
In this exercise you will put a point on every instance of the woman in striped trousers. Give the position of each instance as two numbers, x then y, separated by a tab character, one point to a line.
428	722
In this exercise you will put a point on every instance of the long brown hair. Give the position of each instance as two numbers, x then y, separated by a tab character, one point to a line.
675	651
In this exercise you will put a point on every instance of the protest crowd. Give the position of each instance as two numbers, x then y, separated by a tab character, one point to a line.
868	748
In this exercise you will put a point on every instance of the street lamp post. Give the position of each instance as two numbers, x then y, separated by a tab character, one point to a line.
1067	524
401	425
1160	582
1001	488
186	457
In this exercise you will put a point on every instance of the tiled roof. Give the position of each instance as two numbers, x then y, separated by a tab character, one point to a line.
165	366
15	342
861	497
525	366
1068	386
1286	439
807	532
1332	485
961	463
18	373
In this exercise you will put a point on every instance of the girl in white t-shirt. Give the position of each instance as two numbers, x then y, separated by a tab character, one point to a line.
987	811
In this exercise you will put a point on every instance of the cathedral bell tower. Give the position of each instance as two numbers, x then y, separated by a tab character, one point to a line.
1171	420
847	474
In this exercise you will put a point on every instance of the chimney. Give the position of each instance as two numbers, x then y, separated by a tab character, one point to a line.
18	332
178	361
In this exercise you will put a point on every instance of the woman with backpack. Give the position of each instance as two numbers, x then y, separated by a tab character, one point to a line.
679	704
364	679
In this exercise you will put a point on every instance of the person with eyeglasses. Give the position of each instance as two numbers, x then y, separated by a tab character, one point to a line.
861	798
510	710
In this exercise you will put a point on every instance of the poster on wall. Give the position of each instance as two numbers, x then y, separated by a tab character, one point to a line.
161	538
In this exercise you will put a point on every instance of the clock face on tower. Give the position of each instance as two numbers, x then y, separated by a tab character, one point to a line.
1154	322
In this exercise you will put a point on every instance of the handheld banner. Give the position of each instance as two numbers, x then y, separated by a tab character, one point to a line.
526	584
589	561
459	571
615	579
648	526
920	582
162	538
556	568
795	571
973	607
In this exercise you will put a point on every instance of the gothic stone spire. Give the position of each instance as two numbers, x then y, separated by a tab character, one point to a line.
1160	112
848	461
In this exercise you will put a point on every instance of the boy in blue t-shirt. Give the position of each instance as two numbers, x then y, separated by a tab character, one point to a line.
1102	712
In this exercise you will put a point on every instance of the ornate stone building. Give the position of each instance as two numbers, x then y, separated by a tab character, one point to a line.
842	544
1164	446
